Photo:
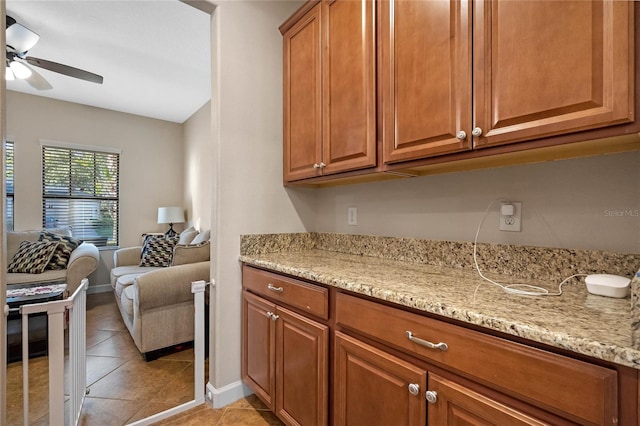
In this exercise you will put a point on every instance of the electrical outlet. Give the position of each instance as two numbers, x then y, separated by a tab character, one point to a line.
511	222
352	216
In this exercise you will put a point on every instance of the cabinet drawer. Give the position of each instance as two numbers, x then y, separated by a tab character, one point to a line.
580	391
307	297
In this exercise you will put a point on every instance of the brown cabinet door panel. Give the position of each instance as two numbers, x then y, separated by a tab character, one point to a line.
544	68
458	405
302	369
349	86
426	75
258	347
303	98
371	386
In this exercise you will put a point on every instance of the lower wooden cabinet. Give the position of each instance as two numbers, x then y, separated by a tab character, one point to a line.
390	366
451	403
259	347
372	387
285	361
539	378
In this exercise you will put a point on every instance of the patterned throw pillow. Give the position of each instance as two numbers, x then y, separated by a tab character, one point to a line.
32	257
65	246
158	250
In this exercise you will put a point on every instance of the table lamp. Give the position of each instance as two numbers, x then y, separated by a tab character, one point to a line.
170	215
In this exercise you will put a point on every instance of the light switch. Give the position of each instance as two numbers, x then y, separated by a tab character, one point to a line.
352	216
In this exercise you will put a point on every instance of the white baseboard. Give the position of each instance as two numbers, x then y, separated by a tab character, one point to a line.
103	288
167	413
227	394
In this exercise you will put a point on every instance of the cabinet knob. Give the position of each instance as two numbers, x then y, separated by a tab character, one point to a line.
477	132
272	316
462	135
322	165
316	166
414	388
432	397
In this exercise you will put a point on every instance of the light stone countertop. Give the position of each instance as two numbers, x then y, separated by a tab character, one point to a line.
577	321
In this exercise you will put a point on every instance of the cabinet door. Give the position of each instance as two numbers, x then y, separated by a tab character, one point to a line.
349	87
545	68
301	369
259	347
458	405
303	98
426	77
371	386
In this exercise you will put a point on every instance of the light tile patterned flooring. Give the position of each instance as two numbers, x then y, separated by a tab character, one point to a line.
123	386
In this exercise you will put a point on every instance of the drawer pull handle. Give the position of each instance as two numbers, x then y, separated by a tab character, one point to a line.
442	346
432	397
273	288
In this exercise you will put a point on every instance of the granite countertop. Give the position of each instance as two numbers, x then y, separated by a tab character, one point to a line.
577	321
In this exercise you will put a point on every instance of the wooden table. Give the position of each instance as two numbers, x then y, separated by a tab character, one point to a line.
19	295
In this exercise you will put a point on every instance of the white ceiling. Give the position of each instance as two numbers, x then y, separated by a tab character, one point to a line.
154	55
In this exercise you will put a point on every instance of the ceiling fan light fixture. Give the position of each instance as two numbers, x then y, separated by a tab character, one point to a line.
21	38
20	70
8	75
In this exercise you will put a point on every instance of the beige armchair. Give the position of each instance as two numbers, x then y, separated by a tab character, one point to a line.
82	262
156	303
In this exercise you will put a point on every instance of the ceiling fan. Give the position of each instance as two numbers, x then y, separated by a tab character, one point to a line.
20	40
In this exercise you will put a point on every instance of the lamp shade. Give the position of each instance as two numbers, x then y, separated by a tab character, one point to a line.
170	215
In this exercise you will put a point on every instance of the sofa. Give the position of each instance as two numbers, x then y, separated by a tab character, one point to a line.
154	297
49	256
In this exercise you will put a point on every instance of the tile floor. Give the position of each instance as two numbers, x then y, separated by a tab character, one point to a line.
123	387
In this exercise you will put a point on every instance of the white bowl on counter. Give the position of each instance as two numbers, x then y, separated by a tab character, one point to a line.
608	285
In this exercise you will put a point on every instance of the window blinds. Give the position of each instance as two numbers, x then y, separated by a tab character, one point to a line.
80	189
8	175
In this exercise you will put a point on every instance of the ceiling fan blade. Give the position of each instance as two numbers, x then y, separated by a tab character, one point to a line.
18	37
64	69
36	80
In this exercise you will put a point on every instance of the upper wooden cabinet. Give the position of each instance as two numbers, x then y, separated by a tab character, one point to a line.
330	89
520	71
303	97
426	77
545	68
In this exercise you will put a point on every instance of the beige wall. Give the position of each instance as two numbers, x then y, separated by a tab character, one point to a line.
567	204
151	161
197	168
247	159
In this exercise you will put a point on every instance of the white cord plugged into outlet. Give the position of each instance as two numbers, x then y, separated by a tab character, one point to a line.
517	288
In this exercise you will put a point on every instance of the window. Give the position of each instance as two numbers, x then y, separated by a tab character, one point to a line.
8	175
80	189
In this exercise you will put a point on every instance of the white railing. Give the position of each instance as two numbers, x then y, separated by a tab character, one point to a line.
56	310
77	352
198	289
